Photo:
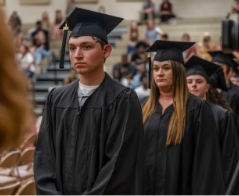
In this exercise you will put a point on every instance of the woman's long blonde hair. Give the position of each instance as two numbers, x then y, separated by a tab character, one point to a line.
15	108
180	95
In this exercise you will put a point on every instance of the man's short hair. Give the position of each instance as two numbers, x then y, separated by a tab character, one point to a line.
101	42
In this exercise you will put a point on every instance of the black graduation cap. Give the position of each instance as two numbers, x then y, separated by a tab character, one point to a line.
210	71
217	80
168	50
198	66
84	22
220	57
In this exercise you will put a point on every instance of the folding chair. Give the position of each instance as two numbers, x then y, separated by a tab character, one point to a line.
24	168
9	162
7	181
28	189
9	190
29	140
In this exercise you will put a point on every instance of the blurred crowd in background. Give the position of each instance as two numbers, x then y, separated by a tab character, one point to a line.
33	46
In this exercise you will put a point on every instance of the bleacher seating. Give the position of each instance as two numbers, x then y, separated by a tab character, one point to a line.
52	76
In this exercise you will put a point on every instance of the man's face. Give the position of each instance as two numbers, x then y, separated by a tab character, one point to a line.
87	55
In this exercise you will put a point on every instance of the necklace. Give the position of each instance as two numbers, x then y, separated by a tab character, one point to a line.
165	100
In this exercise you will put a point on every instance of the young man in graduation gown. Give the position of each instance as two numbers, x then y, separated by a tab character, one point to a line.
232	94
90	140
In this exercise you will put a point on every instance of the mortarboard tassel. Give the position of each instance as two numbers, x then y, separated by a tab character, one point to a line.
149	74
63	46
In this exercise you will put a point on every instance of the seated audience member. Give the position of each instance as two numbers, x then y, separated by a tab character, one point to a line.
148	9
57	33
40	51
117	76
135	82
143	90
166	11
152	33
133	37
125	68
15	106
35	35
189	52
164	37
46	23
206	45
233	14
138	57
15	23
26	61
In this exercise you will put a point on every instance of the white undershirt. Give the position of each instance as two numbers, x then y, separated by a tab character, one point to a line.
86	89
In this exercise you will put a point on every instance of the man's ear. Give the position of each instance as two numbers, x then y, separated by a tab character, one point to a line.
207	87
107	50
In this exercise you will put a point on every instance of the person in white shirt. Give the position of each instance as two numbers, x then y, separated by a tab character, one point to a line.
152	33
26	61
143	90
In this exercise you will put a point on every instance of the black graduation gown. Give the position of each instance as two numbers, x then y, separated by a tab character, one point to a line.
228	139
194	166
95	149
232	97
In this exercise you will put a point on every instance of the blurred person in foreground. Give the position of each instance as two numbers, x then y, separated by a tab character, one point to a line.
15	115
